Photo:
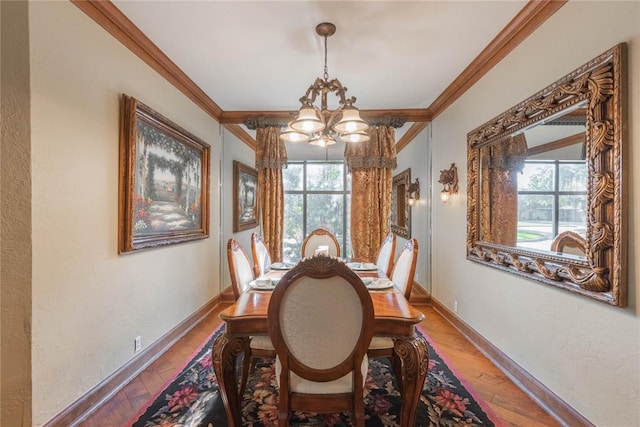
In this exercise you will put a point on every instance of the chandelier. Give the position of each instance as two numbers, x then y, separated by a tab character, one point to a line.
317	125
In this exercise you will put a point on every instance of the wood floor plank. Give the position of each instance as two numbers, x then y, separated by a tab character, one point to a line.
508	402
152	381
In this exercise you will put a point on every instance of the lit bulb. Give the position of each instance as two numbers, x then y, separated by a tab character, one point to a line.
444	196
307	126
355	137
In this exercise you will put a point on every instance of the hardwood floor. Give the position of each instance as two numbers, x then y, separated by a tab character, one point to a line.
502	395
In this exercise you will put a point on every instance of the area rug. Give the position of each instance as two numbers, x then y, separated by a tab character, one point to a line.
192	399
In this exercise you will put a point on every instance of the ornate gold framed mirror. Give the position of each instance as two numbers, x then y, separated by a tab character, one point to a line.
400	208
545	184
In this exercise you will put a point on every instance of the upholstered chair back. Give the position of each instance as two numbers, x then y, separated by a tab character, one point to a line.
320	237
320	320
386	253
260	253
240	268
405	267
570	242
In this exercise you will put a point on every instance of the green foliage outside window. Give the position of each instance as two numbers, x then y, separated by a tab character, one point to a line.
316	195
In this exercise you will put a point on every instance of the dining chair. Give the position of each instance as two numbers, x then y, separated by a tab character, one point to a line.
260	254
320	320
320	236
404	269
569	242
386	254
402	277
242	274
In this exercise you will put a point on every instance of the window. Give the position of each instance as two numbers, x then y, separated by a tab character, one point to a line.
552	198
316	194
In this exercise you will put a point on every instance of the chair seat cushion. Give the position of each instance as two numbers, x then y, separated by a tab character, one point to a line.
380	343
262	342
341	385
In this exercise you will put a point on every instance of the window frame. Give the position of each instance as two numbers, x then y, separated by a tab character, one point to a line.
344	241
556	193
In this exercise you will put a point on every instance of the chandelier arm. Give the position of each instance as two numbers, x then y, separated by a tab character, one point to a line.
335	86
311	94
329	122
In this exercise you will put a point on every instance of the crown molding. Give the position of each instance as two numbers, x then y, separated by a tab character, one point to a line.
410	134
530	17
410	115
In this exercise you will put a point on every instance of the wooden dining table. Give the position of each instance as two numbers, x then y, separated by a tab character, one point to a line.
394	317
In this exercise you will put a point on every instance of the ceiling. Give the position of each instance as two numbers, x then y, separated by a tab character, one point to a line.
263	55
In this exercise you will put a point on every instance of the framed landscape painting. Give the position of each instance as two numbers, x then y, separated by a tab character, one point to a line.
164	181
245	197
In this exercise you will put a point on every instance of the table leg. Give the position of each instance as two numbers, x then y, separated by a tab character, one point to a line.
225	353
415	362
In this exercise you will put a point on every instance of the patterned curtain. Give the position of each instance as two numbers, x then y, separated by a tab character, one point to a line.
371	165
503	161
271	157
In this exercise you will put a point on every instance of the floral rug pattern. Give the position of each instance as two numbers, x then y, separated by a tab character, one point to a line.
192	399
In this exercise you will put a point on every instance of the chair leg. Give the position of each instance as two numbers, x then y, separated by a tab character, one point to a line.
283	418
247	360
397	370
358	413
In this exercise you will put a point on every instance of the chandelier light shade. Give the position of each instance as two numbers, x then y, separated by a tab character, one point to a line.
355	137
350	121
308	121
292	135
322	140
317	124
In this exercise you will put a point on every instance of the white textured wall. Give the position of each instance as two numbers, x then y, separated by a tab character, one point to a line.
233	149
417	156
88	302
585	351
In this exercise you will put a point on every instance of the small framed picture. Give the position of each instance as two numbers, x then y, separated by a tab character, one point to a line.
245	197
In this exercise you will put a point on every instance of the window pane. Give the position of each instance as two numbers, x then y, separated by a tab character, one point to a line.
292	235
325	176
326	211
573	176
536	177
573	214
292	177
535	221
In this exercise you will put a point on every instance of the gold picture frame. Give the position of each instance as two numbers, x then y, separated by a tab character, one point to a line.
245	197
163	181
400	208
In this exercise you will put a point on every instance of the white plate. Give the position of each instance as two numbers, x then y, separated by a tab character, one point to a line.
272	284
379	284
362	266
281	266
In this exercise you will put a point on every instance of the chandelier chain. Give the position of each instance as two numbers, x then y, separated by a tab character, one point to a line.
326	69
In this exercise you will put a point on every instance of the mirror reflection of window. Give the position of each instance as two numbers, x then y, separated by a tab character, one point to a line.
552	198
534	183
552	188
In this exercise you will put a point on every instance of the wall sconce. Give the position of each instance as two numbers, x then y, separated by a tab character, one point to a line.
413	191
449	178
